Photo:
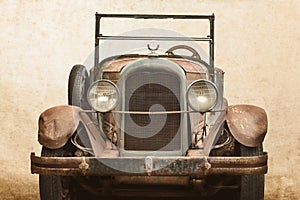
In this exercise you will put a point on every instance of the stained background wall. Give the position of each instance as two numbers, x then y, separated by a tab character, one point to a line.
257	45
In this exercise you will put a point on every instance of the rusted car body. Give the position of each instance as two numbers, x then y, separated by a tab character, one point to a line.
138	124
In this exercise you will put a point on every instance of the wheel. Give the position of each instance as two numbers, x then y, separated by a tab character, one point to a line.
195	54
78	86
55	187
77	95
252	186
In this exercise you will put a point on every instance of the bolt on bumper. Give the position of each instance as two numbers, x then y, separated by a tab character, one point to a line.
150	166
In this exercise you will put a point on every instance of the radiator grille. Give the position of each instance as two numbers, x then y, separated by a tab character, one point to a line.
159	92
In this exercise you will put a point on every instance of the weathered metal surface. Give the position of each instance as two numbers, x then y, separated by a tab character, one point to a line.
56	125
248	124
109	126
208	141
160	166
193	69
152	180
97	142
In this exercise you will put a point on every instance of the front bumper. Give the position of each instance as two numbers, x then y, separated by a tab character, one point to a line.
197	166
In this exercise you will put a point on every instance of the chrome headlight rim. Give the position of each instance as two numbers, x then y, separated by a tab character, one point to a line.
206	81
117	92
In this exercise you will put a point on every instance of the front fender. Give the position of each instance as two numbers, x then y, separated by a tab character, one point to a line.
247	123
57	125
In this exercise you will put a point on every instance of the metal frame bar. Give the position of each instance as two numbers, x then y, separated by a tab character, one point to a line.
99	36
195	166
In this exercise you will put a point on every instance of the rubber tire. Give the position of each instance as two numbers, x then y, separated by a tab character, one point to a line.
252	186
78	86
51	186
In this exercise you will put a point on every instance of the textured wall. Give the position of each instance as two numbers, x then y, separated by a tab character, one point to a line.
257	45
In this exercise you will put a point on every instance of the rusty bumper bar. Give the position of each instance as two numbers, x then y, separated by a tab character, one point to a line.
151	166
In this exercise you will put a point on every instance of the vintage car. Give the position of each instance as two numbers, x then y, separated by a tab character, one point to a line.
151	122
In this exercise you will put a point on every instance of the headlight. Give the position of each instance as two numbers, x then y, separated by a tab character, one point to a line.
103	95
202	95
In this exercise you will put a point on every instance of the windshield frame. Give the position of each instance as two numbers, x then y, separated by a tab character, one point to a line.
99	36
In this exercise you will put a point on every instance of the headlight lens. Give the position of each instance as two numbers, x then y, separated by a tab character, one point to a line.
202	95
103	95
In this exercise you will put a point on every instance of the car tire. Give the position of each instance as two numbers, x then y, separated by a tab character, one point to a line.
252	186
77	95
78	86
54	187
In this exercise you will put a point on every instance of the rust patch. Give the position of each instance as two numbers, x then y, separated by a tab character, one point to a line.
248	124
56	125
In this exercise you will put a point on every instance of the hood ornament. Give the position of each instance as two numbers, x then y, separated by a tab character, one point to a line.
153	47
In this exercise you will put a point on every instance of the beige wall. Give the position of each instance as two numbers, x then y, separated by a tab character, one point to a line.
257	45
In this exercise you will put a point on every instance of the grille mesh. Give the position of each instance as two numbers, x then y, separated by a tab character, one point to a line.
159	92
